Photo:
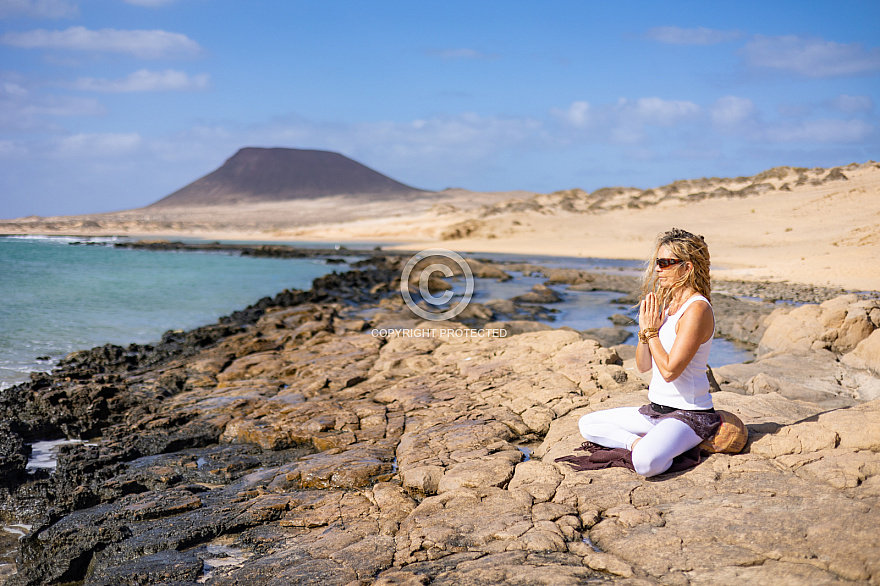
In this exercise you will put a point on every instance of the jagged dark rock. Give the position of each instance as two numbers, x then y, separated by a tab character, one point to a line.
288	443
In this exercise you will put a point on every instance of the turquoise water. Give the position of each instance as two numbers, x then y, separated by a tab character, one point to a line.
56	298
584	310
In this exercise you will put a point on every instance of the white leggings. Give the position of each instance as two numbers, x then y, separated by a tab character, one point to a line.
620	427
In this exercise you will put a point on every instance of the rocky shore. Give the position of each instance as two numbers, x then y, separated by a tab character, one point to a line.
299	441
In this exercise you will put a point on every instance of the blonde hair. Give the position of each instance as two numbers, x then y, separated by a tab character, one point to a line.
688	247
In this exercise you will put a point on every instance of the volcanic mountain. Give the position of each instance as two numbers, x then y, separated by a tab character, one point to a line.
278	174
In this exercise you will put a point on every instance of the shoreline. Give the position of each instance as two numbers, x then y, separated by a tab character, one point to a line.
809	226
728	271
304	445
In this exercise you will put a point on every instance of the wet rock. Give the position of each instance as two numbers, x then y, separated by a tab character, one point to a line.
538	294
13	453
741	320
295	446
167	566
568	276
520	326
607	336
622	320
487	270
476	314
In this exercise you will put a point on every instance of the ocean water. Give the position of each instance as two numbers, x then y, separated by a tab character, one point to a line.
584	310
58	295
56	298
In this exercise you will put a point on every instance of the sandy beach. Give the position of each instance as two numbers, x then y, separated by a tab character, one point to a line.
801	227
822	235
334	433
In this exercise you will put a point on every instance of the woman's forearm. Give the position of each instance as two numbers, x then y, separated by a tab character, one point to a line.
661	358
643	357
650	353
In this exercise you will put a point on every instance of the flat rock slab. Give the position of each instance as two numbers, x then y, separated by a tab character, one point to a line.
301	448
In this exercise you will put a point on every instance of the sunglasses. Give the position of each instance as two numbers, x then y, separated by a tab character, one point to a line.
665	263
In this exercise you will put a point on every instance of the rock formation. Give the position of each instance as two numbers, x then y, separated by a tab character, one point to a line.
279	174
291	443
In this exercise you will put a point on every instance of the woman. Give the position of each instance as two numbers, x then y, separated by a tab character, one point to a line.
676	326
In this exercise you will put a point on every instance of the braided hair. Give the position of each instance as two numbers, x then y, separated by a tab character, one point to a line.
688	247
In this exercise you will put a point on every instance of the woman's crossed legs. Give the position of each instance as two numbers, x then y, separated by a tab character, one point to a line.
661	441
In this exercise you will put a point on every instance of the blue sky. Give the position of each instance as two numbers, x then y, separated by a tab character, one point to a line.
113	104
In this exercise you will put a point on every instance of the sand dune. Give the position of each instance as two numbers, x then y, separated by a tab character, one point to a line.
815	226
825	234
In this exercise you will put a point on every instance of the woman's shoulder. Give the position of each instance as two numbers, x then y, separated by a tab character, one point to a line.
697	317
697	297
696	306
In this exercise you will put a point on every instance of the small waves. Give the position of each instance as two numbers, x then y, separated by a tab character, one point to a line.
44	454
58	298
67	240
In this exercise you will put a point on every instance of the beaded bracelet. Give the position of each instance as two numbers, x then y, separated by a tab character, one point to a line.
647	334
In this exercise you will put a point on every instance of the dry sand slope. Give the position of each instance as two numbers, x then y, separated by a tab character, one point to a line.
825	231
816	226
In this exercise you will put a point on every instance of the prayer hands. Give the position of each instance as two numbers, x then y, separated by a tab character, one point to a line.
649	313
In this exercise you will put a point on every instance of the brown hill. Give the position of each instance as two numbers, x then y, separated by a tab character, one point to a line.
280	174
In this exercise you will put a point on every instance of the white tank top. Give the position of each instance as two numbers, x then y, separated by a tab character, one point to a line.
691	389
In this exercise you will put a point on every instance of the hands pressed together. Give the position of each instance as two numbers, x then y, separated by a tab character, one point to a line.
649	313
650	320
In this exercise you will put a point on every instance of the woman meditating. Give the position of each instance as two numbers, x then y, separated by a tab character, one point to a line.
676	326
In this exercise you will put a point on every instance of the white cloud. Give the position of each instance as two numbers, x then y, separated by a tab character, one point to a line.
635	124
794	110
852	104
674	35
732	111
579	114
429	152
96	145
145	80
626	121
38	8
656	111
10	148
811	57
63	106
22	110
144	44
12	89
735	116
823	131
466	137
